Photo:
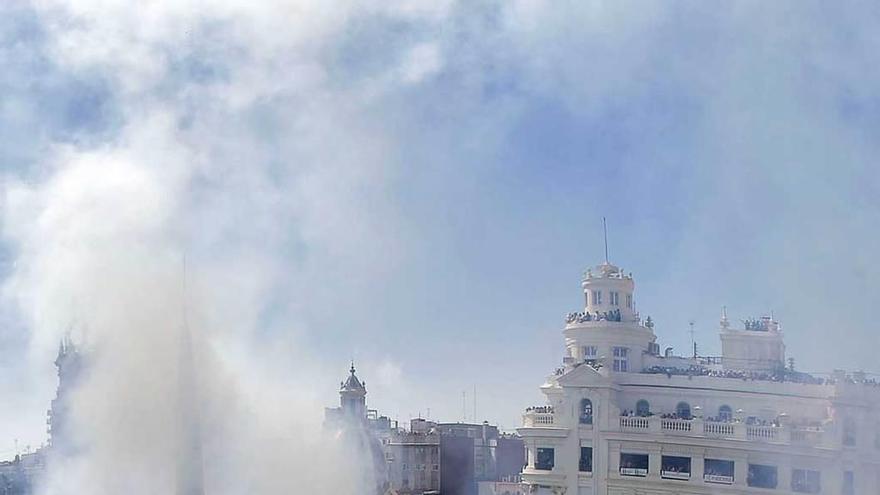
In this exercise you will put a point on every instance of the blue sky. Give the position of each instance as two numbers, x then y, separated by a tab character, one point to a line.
420	186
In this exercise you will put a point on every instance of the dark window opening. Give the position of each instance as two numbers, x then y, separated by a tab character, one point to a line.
805	481
683	410
718	471
725	413
586	416
762	476
643	408
675	468
849	433
586	462
634	464
545	460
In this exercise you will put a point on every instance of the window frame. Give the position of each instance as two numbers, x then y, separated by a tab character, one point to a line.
543	466
620	361
581	463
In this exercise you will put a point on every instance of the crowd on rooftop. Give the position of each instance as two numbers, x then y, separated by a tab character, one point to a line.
540	409
580	317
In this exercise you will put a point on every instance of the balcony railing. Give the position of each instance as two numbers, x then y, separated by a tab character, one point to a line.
633	423
682	425
718	478
634	471
718	430
731	430
534	418
675	475
761	432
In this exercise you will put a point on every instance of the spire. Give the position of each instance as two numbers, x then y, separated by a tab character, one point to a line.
352	367
725	323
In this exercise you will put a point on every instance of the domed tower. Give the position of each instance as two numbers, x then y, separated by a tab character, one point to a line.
353	396
609	331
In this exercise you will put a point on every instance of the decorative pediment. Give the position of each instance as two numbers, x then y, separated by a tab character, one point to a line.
585	376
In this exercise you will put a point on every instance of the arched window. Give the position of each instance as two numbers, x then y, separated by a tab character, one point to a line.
586	417
643	408
725	413
683	410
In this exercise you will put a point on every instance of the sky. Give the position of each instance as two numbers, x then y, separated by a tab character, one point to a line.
419	186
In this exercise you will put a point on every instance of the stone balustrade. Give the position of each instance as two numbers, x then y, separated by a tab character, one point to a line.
535	418
724	430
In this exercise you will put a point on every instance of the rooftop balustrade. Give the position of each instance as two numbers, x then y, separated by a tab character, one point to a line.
697	427
539	416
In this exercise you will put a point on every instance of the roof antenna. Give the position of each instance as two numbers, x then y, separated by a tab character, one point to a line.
605	232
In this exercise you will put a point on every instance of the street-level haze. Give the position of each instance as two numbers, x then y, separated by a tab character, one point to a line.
417	186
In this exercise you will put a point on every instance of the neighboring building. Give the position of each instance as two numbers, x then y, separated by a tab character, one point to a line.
414	459
20	475
457	465
452	458
497	456
622	419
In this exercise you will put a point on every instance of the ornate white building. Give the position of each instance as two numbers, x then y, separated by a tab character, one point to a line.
622	419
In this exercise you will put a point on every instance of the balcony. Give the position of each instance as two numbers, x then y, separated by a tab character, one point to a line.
539	416
724	430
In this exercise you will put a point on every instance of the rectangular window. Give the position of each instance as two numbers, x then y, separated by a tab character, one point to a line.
675	468
590	352
545	460
615	298
805	481
629	301
597	297
621	359
762	476
718	471
586	462
634	464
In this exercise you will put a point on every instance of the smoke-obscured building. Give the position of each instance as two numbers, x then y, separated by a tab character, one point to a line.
623	419
362	432
70	365
22	474
451	458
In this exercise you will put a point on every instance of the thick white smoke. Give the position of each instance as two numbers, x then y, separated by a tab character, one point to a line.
193	171
101	248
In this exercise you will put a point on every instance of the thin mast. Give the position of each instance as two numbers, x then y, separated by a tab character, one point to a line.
605	232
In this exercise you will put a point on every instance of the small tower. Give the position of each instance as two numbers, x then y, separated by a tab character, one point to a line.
609	331
353	396
759	346
609	291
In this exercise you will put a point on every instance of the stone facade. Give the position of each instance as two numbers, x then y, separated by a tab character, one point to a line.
622	419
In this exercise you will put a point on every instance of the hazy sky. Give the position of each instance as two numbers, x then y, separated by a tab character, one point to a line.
420	185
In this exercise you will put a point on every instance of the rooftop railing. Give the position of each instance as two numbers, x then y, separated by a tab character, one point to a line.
539	416
809	436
